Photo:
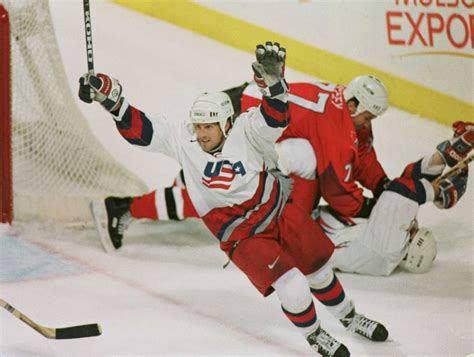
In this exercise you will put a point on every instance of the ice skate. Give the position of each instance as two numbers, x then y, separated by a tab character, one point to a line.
326	345
111	217
364	326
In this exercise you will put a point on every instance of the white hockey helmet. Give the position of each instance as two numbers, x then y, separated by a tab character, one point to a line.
369	92
421	252
211	108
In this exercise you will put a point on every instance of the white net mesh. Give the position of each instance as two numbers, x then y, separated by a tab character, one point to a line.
58	165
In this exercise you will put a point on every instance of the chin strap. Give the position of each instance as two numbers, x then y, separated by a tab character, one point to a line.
218	148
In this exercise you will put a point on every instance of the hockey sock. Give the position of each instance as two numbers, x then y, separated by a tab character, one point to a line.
306	320
296	301
326	287
170	203
144	206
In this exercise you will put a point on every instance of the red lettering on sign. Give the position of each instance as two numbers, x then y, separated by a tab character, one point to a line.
471	22
392	27
467	5
432	18
466	31
453	4
405	2
416	31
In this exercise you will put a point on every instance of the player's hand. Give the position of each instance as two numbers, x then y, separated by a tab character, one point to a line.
381	187
366	208
454	150
269	70
101	88
451	190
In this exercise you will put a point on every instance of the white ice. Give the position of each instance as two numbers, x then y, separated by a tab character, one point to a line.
165	293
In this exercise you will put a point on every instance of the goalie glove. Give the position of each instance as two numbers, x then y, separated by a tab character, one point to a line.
100	88
451	190
269	70
456	149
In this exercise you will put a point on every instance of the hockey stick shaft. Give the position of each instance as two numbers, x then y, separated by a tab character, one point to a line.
88	30
455	170
80	331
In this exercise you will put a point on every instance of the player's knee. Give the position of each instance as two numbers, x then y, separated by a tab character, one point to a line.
293	290
321	278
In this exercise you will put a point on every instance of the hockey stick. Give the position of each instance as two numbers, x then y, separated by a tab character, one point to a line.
55	333
88	30
455	170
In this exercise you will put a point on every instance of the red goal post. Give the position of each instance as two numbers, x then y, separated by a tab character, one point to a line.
6	204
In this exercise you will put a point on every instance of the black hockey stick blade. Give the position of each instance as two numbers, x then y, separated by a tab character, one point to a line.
81	331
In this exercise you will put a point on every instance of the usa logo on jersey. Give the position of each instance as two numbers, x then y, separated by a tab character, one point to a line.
221	174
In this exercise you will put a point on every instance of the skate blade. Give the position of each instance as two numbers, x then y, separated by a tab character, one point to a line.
99	214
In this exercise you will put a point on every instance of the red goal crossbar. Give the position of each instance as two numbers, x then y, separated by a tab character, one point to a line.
6	197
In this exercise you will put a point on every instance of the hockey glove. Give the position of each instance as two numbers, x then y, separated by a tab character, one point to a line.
456	149
101	88
451	190
366	208
269	70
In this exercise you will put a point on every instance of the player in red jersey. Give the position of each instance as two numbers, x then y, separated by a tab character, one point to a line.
328	149
342	142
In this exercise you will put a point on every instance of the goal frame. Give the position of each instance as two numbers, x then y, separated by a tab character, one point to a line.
6	189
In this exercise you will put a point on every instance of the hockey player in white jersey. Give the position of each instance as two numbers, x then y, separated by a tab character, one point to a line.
231	177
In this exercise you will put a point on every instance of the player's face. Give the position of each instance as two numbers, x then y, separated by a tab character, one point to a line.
209	136
363	119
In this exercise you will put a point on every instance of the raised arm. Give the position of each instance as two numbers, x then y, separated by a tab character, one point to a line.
151	133
266	123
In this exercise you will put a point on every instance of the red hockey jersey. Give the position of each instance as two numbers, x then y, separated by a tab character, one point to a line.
319	114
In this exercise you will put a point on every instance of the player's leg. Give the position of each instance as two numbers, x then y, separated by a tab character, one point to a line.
170	203
327	288
269	269
311	249
304	193
392	226
113	215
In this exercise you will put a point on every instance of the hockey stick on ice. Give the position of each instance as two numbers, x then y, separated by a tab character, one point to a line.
62	333
88	29
455	170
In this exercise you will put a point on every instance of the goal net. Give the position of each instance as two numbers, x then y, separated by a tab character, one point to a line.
57	165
